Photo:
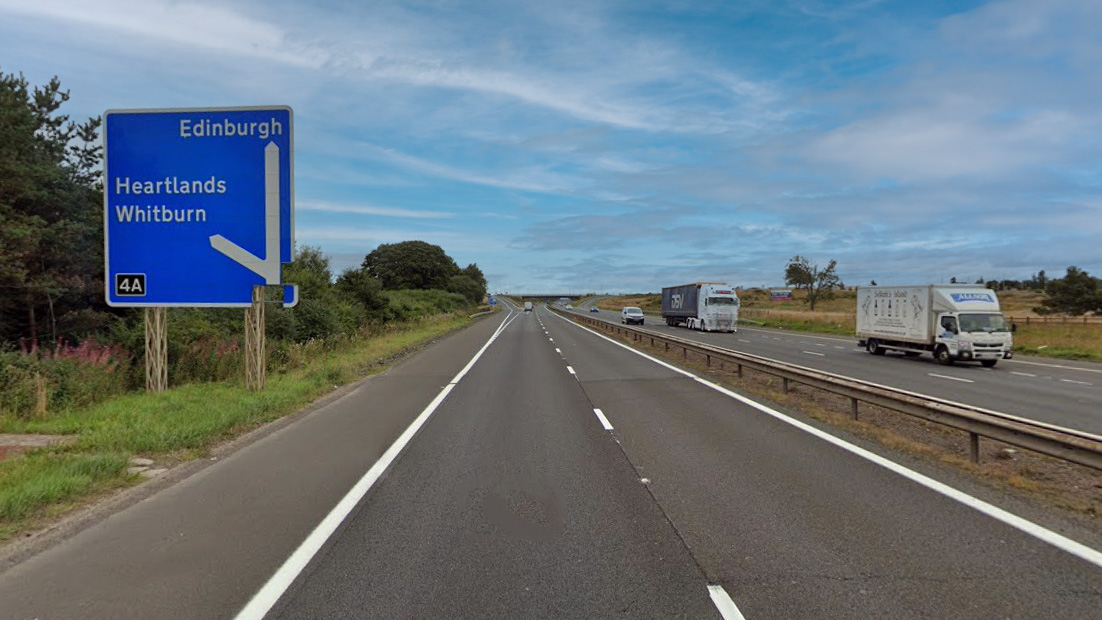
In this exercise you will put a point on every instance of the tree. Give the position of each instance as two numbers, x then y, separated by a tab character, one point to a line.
410	265
473	272
51	218
953	280
365	291
467	287
1075	293
818	284
872	282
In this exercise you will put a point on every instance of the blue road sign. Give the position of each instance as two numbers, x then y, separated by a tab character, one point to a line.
198	204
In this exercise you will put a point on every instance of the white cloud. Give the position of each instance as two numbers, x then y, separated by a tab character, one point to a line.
214	28
333	207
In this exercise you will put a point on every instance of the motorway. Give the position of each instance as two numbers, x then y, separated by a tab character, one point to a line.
1063	393
528	468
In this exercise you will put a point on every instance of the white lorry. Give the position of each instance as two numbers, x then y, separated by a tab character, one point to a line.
707	306
953	322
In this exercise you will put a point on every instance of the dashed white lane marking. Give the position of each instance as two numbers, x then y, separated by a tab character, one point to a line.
741	340
950	378
1022	374
603	419
571	371
1017	361
839	347
724	604
559	351
1079	550
1076	382
819	344
815	353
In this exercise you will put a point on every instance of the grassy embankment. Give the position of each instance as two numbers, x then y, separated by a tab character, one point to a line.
837	316
180	424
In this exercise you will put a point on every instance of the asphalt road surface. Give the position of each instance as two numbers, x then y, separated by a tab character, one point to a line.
557	475
1063	393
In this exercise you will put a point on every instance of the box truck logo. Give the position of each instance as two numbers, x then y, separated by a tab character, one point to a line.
675	301
983	297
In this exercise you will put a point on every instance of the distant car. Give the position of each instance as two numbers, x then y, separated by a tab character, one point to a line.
594	309
631	315
569	307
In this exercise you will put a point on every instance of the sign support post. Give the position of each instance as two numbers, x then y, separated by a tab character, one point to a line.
156	349
256	359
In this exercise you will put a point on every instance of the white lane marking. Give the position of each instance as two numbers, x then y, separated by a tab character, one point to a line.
839	347
815	353
765	333
819	344
551	340
1026	526
1022	374
603	419
571	371
559	351
268	595
932	374
741	340
1017	361
724	604
1076	382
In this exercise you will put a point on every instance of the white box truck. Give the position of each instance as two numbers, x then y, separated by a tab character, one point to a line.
953	322
707	306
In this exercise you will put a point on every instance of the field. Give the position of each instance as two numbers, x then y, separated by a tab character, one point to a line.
1067	340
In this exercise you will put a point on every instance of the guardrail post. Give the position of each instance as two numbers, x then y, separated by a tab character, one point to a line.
853	407
684	353
708	360
667	346
974	447
784	385
740	371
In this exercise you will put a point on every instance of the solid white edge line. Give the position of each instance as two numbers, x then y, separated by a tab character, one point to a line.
268	595
724	603
934	374
604	421
1063	543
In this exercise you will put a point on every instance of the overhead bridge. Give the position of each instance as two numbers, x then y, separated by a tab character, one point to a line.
545	296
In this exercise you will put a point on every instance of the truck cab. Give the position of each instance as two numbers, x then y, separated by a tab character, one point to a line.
982	337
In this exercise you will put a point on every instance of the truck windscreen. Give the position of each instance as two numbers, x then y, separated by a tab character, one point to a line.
722	301
972	323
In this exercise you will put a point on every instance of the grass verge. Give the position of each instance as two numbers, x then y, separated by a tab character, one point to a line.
179	424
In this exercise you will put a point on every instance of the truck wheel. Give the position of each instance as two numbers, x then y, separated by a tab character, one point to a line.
988	363
943	356
874	347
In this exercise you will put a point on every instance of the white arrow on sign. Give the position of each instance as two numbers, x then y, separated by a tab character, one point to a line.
268	267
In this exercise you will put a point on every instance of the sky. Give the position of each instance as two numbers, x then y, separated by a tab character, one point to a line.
623	146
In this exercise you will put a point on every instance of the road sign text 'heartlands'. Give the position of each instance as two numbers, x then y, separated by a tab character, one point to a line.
198	204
